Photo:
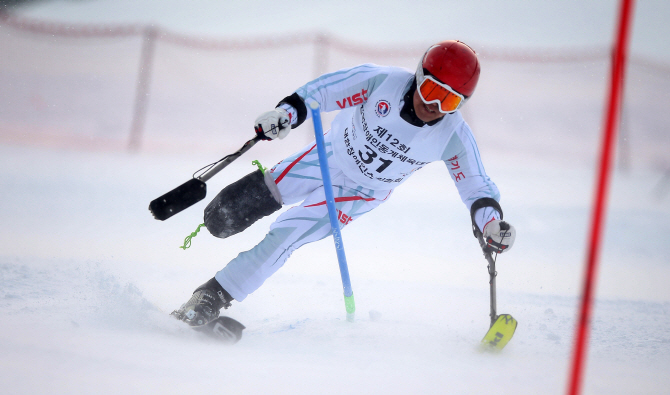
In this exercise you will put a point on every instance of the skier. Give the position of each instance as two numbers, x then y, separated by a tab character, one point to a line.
392	123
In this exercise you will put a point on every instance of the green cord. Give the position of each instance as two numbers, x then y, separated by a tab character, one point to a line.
187	240
260	167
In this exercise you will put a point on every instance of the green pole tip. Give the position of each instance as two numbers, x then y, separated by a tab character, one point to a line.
350	304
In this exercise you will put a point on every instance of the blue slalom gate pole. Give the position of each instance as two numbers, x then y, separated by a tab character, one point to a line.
332	212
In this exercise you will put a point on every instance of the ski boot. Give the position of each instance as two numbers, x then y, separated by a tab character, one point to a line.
204	305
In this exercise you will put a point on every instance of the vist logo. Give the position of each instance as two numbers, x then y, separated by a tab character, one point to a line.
353	100
345	219
382	108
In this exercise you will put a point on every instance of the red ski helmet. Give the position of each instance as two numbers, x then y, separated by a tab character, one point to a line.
453	63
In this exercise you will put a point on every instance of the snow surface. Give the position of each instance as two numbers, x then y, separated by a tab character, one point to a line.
88	277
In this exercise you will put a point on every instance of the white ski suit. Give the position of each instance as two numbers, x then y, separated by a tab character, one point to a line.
371	150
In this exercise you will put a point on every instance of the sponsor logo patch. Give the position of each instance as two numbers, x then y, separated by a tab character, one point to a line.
382	108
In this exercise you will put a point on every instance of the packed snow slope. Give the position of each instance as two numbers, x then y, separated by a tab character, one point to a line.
88	278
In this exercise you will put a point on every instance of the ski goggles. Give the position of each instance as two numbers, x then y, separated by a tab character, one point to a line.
433	91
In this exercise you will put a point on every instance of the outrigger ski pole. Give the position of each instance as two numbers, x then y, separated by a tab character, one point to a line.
195	189
503	325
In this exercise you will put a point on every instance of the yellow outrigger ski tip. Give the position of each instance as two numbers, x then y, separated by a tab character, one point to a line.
500	333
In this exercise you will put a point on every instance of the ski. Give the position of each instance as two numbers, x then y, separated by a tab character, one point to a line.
501	332
223	329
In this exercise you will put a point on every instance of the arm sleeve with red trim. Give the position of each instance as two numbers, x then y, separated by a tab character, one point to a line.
465	167
344	88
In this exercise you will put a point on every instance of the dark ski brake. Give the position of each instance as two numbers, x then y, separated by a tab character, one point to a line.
195	189
223	329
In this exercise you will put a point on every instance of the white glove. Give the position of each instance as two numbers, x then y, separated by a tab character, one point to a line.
273	124
499	236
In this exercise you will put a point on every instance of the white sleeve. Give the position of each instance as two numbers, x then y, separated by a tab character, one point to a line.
292	112
344	88
461	156
485	215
